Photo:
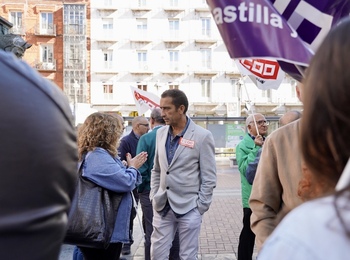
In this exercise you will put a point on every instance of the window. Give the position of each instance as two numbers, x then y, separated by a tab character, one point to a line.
107	59
107	24
142	60
141	26
46	56
173	86
46	23
74	17
174	2
74	52
266	94
107	27
142	86
107	91
142	3
235	88
205	88
293	85
108	2
205	26
206	58
174	60
16	20
174	26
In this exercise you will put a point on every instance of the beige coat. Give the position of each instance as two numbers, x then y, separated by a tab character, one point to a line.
276	182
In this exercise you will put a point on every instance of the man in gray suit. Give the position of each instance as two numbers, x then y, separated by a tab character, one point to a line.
182	180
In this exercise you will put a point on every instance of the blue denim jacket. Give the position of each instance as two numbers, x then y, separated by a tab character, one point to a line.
108	172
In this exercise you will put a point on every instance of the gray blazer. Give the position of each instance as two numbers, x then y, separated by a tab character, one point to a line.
189	180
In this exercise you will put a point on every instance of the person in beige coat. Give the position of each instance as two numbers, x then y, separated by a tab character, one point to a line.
275	187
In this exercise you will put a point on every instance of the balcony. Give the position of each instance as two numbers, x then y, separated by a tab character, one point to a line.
142	69
106	36
173	37
110	5
75	65
205	38
17	30
45	66
50	31
140	36
173	70
74	29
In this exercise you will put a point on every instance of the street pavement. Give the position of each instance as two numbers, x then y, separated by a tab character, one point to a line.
221	225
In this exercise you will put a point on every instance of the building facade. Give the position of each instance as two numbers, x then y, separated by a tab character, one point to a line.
95	50
162	44
59	34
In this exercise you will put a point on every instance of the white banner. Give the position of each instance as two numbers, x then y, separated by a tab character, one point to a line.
144	100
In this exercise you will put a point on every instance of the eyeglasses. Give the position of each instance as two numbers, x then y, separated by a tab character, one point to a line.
146	125
261	122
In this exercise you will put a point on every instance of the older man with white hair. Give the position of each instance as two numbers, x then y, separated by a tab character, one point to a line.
246	152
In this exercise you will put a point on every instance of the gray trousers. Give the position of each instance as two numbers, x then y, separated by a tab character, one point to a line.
147	216
164	229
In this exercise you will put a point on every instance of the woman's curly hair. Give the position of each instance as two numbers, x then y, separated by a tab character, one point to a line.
100	130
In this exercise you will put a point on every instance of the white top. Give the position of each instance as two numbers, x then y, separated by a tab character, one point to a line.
311	231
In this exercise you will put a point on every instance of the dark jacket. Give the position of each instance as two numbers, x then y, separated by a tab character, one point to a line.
251	168
128	144
38	162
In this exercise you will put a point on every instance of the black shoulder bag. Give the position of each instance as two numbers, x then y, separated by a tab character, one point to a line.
92	215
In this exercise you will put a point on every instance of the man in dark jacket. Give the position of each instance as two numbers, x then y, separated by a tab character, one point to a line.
128	144
38	162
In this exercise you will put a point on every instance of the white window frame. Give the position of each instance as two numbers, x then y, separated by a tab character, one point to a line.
174	59
174	3
107	27
206	58
142	60
206	26
46	23
141	26
142	86
107	59
235	88
173	86
107	90
16	18
174	27
46	56
206	86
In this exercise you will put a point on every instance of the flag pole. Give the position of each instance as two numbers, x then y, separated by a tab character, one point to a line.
255	124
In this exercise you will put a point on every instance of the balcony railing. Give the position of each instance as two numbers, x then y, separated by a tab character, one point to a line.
51	31
73	29
75	65
17	30
45	66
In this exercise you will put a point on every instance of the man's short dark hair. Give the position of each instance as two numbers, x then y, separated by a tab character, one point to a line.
178	96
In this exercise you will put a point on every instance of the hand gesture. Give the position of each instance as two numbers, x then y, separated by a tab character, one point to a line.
137	161
259	140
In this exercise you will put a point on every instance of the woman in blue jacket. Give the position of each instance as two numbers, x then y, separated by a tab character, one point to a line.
98	140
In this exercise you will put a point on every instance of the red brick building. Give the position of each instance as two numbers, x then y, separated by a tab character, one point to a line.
59	34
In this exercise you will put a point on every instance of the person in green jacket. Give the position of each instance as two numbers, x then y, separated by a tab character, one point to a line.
246	152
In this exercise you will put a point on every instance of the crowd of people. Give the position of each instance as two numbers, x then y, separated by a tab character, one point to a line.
294	182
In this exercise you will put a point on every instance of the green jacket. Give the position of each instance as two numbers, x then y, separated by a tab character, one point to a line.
147	143
246	152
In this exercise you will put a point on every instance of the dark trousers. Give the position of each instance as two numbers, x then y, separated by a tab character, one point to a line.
246	238
147	216
132	217
112	252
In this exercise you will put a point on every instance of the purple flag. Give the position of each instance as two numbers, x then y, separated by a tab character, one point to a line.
285	30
